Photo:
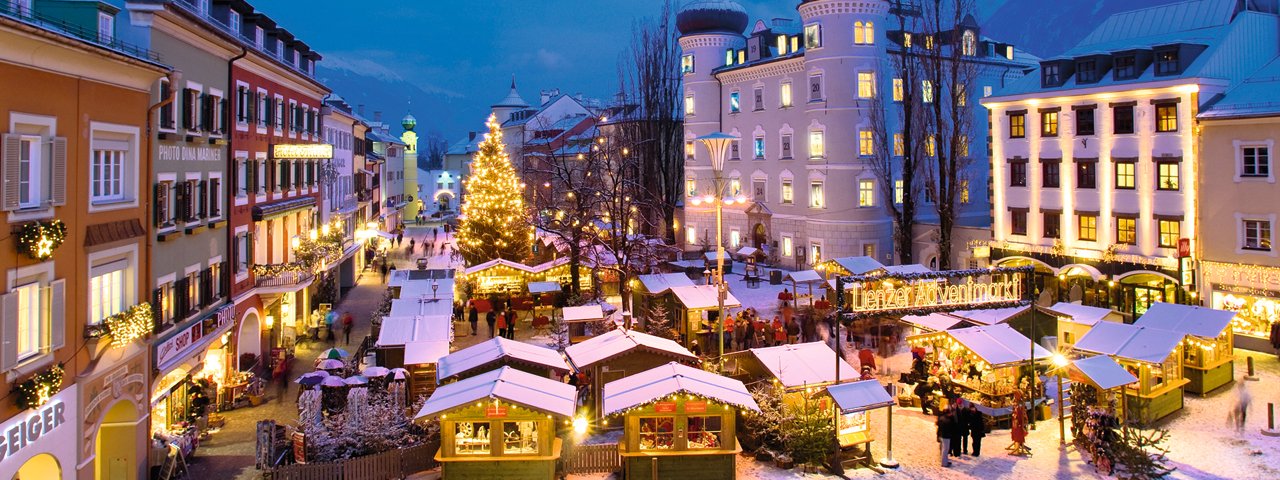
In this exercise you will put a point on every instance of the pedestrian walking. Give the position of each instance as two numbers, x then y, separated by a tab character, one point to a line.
1243	399
348	322
329	320
281	373
383	268
977	427
399	238
490	318
779	333
946	428
511	324
960	441
435	234
410	247
793	331
473	316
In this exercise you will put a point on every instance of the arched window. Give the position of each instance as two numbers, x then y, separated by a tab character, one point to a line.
858	37
970	43
869	32
864	33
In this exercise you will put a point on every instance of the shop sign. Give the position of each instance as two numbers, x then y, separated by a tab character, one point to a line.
1255	276
302	150
695	406
930	293
49	429
1184	247
189	338
185	153
664	407
26	431
299	447
495	412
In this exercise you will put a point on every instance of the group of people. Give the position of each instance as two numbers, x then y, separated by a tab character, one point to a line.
501	321
957	424
333	318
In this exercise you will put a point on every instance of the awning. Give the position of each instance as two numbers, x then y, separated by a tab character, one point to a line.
702	297
584	313
860	396
1100	371
804	277
281	208
1187	319
388	236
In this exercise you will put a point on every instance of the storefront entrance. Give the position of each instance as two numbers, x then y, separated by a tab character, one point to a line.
249	341
115	457
1142	290
40	467
758	238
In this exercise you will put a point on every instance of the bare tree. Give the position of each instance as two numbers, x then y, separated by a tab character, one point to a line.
649	72
564	185
950	114
434	148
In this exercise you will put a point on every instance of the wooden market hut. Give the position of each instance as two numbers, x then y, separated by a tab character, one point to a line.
500	424
1153	355
1207	360
578	319
1075	320
655	290
808	278
498	277
1104	374
500	352
415	343
795	367
995	353
620	353
861	265
709	261
854	401
679	422
696	304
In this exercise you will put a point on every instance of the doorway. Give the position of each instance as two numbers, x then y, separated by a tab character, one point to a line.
115	455
758	237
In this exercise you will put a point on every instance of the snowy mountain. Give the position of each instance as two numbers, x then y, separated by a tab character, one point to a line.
381	89
1049	27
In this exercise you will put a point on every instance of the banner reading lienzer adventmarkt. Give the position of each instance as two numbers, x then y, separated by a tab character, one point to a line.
890	294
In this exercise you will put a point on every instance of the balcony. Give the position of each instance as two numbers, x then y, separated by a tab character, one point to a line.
282	277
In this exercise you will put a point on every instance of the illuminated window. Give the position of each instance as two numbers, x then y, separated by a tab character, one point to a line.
1167	117
969	43
928	42
690	187
930	148
787	247
107	291
1168	175
964	191
735	238
1049	124
898	144
657	433
926	91
471	438
704	432
859	37
735	104
962	143
813	36
1087	227
866	146
31	327
906	39
758	147
520	437
742	56
690	235
788	193
817	198
817	149
961	95
869	32
1126	230
1125	175
735	186
815	252
686	64
784	95
866	193
688	105
782	45
728	57
897	191
689	149
1257	235
1169	233
897	89
866	84
1018	125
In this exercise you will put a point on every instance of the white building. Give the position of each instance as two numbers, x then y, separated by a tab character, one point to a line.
337	196
1096	154
798	96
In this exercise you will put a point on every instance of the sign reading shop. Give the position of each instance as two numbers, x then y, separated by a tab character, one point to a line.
301	151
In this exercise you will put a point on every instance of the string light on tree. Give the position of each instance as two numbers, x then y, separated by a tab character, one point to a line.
495	221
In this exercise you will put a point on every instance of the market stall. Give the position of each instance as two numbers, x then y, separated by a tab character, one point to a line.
1152	355
1105	376
500	424
679	422
984	365
498	277
808	278
801	367
1075	320
1207	360
845	266
619	353
579	320
415	343
854	402
500	352
654	291
699	305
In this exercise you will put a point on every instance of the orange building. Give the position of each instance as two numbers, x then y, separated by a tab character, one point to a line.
73	112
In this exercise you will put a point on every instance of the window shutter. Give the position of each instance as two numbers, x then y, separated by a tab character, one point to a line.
186	107
180	201
157	316
9	331
224	279
206	287
215	197
57	314
248	248
11	170
58	172
180	298
251	176
225	124
252	101
206	112
204	199
157	208
166	112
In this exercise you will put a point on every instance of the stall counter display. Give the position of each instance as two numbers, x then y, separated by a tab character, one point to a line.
984	365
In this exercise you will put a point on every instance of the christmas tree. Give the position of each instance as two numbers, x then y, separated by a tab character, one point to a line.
494	221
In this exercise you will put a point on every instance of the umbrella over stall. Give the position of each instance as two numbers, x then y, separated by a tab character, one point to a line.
335	353
311	379
331	364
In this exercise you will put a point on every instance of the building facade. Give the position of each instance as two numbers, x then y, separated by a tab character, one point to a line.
74	117
799	98
1097	158
1239	264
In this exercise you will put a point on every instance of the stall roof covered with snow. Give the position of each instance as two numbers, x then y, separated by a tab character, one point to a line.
803	277
495	351
417	328
507	384
998	345
1101	371
543	287
992	316
702	297
937	322
584	313
409	307
853	265
802	364
660	283
906	269
1084	314
671	379
1134	342
423	353
620	342
859	396
1191	320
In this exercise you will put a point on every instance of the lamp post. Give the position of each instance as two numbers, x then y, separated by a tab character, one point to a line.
1060	363
717	144
435	285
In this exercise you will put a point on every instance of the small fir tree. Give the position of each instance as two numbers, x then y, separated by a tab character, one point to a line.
658	323
495	223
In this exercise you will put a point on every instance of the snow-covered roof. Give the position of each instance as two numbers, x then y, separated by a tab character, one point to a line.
935	322
1254	97
620	342
508	384
695	297
401	330
1186	319
499	350
544	287
512	100
1133	342
909	268
747	251
860	396
583	313
410	307
802	364
421	353
1083	314
991	316
674	378
480	267
995	344
1101	371
418	289
861	265
804	276
659	283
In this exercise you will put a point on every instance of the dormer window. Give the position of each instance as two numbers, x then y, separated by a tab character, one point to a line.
906	39
1126	67
970	43
782	44
1008	52
257	36
106	27
1087	71
1167	62
1050	75
233	21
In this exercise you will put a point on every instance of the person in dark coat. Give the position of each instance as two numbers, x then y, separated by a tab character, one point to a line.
977	427
491	319
946	429
511	324
473	316
960	441
749	334
924	390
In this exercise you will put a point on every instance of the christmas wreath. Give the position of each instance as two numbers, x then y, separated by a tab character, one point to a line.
36	391
39	239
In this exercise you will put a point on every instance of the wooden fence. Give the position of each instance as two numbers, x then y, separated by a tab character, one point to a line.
593	459
393	464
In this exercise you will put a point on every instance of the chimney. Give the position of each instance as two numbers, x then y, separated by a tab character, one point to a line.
377	116
544	97
360	109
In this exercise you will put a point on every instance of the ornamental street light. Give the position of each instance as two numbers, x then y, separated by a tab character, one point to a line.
718	144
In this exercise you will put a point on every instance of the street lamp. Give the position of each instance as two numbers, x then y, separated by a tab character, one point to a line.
435	285
1060	363
718	144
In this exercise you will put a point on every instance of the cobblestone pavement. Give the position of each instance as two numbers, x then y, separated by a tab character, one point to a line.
229	453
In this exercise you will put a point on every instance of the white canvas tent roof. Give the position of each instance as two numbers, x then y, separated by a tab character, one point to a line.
747	251
803	364
497	349
674	378
804	277
1187	319
991	316
416	289
659	283
583	313
1151	345
997	344
699	297
1083	314
418	328
860	396
934	322
908	268
544	287
618	342
421	353
524	389
859	265
1102	371
409	307
495	262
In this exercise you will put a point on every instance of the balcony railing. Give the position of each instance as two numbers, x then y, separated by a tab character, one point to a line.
283	278
21	13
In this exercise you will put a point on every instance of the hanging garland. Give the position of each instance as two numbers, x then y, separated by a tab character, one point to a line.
279	268
38	240
40	388
129	325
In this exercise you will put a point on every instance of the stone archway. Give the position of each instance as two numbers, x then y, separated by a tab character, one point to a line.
115	457
249	338
40	466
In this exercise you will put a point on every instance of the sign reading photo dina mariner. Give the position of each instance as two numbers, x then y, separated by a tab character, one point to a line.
933	292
